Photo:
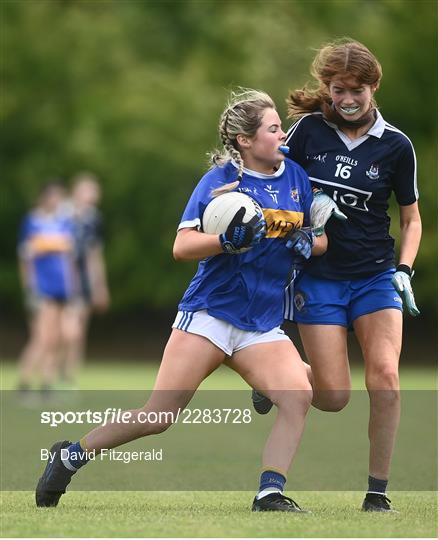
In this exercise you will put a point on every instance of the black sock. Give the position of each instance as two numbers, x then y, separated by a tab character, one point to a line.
376	486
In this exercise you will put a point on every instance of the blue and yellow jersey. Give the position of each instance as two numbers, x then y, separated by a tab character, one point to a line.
46	244
247	290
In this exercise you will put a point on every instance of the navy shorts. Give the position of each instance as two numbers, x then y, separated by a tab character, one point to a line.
340	302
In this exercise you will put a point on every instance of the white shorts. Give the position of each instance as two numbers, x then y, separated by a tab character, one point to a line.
223	334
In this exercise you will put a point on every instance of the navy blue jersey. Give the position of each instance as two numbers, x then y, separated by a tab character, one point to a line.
88	235
360	176
247	290
88	230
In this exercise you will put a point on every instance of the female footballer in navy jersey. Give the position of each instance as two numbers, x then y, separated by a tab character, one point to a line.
356	160
233	306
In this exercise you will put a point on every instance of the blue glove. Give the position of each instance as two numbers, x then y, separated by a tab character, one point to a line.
321	210
402	284
301	242
239	237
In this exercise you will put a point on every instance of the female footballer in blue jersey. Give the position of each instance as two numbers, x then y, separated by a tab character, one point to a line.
356	160
232	308
49	277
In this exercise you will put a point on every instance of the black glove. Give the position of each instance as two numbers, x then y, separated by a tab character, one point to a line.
301	242
242	236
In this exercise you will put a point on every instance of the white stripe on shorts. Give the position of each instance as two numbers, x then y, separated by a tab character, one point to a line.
221	333
186	319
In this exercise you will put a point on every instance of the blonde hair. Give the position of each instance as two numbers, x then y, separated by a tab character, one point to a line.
242	115
345	58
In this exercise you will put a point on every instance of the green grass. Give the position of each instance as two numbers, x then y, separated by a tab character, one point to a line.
125	375
213	514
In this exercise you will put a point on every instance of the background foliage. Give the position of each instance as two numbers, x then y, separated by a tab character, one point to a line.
132	90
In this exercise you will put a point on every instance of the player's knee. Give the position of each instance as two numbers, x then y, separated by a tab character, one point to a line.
159	427
152	428
384	377
72	334
298	398
154	422
331	400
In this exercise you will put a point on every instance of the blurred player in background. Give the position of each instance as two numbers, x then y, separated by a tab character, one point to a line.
46	250
232	309
93	294
354	157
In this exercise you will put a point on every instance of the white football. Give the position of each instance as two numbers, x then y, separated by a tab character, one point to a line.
221	210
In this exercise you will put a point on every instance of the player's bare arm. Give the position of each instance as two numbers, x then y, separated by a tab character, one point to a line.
191	244
410	233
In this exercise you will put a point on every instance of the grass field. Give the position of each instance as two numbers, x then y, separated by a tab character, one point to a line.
212	513
125	375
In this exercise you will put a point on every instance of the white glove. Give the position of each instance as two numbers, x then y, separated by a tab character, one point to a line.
402	284
321	210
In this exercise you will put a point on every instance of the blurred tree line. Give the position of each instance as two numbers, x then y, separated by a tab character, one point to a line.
132	90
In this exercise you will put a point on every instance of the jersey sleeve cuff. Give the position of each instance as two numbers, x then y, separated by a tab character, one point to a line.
190	224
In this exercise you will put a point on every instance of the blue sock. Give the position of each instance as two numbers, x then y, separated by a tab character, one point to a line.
271	482
377	486
75	458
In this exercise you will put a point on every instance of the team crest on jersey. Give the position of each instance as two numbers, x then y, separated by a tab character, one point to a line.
299	301
295	195
373	172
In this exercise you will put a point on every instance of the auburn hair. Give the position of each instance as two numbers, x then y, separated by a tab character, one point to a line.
344	58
